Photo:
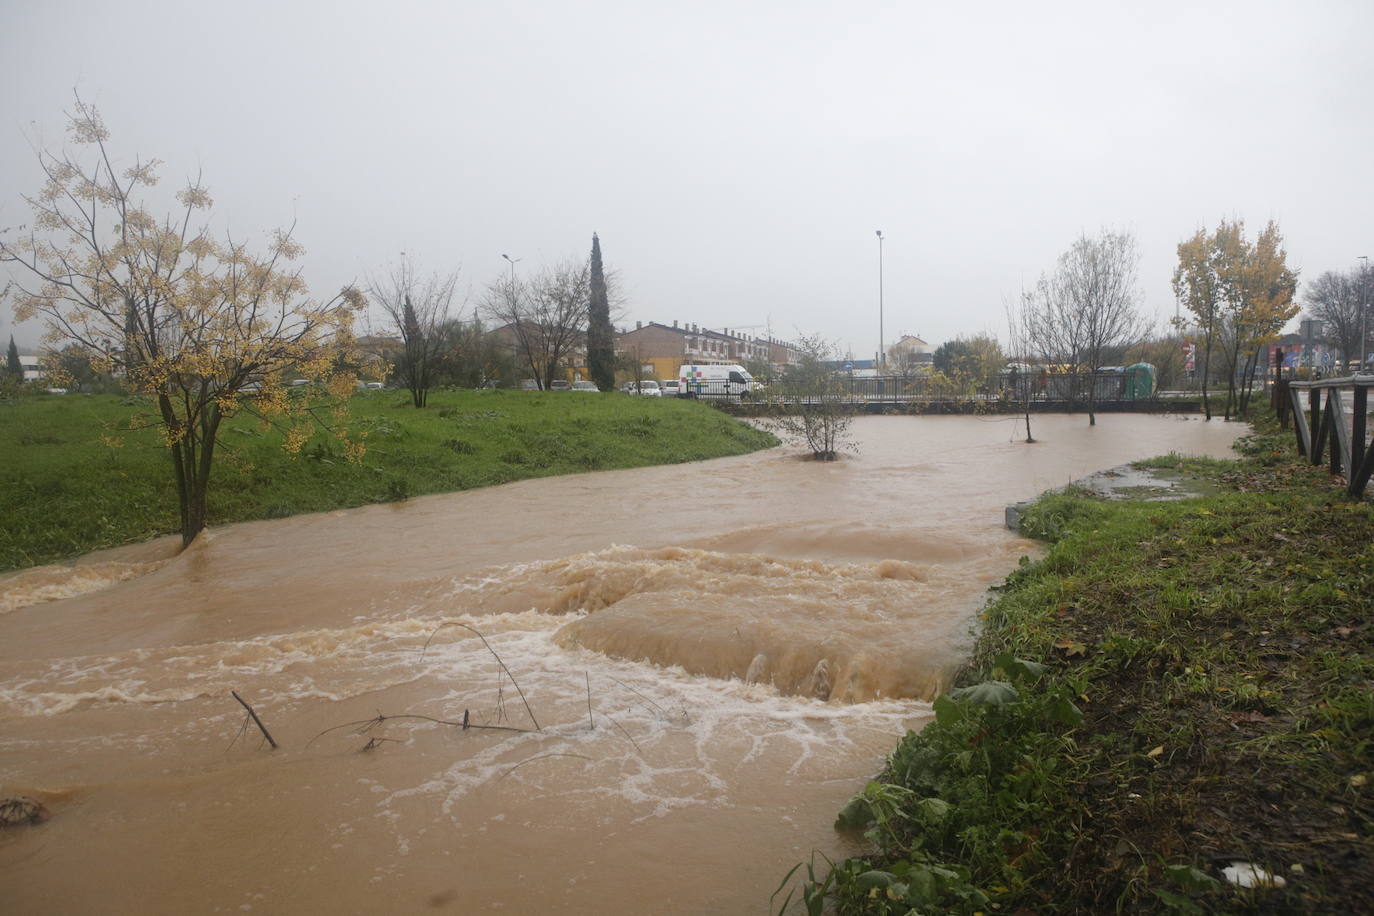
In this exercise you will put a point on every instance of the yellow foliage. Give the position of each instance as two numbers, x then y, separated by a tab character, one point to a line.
204	328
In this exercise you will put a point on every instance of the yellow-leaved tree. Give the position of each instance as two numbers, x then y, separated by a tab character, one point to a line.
202	326
1257	290
1242	294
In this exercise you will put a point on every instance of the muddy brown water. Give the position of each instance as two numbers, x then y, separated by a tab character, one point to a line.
717	655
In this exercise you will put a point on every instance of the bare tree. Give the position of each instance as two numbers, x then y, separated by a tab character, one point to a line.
631	361
1338	300
545	317
418	309
1087	307
1020	318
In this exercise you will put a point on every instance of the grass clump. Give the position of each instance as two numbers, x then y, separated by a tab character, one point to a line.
1173	688
74	477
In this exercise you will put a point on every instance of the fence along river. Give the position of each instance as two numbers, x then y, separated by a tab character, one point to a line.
717	656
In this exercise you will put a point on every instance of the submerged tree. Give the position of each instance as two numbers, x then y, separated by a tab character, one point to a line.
418	310
812	401
1020	318
600	334
203	327
1087	307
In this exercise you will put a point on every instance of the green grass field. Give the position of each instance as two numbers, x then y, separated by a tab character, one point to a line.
65	490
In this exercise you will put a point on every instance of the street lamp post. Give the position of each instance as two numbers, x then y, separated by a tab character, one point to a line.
512	269
882	357
1364	308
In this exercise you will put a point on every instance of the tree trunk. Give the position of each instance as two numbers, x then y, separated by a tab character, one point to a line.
1206	375
1231	400
1248	382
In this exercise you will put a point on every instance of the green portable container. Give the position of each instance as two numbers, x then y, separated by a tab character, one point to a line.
1140	380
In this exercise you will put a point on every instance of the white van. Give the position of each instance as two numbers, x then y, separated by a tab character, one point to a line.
729	381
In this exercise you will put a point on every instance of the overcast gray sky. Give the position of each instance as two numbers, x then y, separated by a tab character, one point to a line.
736	158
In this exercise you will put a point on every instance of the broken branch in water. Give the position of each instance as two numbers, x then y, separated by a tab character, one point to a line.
540	757
368	724
262	728
455	623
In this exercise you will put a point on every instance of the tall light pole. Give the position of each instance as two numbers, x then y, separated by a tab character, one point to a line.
882	360
512	270
1364	307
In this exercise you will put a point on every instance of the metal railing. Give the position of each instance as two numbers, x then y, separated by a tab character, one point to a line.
1334	423
1014	387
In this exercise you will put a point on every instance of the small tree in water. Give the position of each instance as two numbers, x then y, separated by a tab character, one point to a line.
812	402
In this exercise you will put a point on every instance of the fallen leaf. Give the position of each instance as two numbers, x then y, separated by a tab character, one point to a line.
1248	715
1156	752
1071	648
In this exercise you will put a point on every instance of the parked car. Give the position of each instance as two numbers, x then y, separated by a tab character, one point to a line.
529	384
581	386
648	387
669	387
559	384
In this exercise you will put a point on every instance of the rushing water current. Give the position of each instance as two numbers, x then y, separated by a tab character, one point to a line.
716	655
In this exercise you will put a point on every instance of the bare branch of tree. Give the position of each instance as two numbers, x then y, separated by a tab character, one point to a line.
418	310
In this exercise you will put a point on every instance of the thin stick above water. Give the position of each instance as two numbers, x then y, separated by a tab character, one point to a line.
262	728
368	724
455	623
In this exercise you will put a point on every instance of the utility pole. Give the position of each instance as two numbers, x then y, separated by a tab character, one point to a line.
882	357
1364	307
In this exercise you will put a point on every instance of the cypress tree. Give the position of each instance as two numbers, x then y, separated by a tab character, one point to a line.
600	336
12	364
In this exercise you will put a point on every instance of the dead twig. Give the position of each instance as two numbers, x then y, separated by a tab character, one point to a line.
540	757
625	733
368	724
659	709
262	728
473	630
243	727
591	723
376	741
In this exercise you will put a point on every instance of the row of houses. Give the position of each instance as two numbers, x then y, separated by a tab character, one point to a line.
660	349
665	347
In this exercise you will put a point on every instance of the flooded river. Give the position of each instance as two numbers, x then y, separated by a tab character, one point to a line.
691	668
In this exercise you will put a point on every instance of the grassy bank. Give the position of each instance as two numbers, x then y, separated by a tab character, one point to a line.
73	478
1173	688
